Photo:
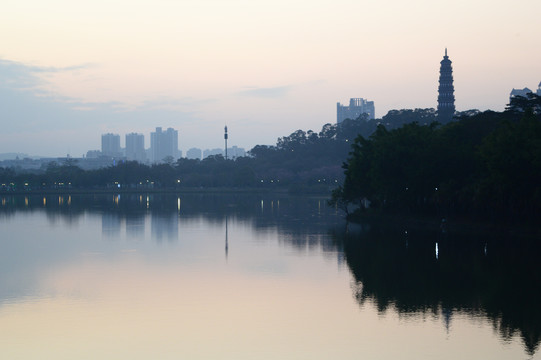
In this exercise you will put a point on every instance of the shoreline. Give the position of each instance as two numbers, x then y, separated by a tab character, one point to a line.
454	225
180	190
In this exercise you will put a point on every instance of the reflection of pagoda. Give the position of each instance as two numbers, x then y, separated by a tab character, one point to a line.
446	97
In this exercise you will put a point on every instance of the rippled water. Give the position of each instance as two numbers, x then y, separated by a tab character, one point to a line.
196	276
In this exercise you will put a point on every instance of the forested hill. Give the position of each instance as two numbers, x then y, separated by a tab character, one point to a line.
484	164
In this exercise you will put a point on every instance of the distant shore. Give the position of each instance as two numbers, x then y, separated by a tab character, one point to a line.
179	190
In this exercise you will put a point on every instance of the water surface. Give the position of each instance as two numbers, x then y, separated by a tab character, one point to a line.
252	277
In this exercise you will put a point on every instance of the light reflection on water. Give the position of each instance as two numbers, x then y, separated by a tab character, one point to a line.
239	276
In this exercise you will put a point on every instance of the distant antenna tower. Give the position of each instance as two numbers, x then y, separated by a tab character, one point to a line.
225	138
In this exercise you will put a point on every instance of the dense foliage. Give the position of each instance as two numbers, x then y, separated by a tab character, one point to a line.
486	164
302	161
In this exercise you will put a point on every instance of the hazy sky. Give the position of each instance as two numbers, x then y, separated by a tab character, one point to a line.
73	70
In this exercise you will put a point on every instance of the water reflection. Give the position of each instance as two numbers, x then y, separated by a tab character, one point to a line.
414	273
398	270
295	217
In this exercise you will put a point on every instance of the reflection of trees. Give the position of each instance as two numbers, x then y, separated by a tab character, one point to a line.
300	220
59	207
492	276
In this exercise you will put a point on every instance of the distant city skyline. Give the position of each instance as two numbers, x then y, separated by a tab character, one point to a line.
71	71
163	144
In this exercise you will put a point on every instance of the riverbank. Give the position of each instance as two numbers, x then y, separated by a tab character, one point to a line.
177	190
455	225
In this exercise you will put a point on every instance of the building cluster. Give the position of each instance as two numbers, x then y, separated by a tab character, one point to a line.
232	153
163	147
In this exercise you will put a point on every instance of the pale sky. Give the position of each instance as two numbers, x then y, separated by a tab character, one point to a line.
73	70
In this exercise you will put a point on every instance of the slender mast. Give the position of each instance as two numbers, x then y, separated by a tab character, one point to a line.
225	138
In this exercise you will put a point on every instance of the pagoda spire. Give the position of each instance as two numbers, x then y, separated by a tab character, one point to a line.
446	90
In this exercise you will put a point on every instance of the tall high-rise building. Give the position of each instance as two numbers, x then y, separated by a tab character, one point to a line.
163	144
135	147
110	145
357	107
446	90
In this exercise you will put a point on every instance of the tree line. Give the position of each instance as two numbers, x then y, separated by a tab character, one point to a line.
302	161
483	164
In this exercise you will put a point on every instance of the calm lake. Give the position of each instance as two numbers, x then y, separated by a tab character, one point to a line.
245	276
